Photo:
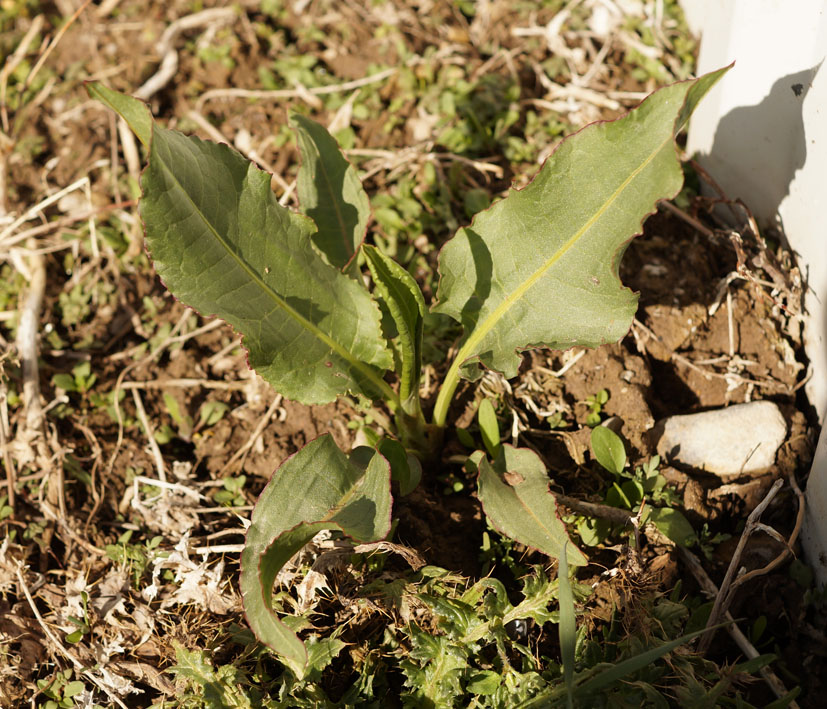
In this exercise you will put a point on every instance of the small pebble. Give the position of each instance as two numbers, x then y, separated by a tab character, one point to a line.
738	440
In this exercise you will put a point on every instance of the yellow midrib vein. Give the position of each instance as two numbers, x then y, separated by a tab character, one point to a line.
496	315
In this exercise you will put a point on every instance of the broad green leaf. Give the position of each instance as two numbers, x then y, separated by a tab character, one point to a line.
608	449
489	427
330	193
485	682
133	111
322	652
317	488
224	246
515	497
674	525
540	267
400	292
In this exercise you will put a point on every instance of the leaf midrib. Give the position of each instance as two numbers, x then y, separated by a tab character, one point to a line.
497	314
298	317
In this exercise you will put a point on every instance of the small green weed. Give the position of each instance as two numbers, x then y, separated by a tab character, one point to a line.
595	403
134	557
643	491
82	624
60	691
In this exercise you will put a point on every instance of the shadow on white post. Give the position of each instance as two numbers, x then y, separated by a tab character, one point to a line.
762	134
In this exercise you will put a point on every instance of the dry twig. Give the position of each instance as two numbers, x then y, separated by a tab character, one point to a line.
724	597
732	628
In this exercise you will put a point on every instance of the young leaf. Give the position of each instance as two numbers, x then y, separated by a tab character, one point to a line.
489	427
674	525
330	193
317	488
223	245
397	288
540	267
515	497
405	468
608	449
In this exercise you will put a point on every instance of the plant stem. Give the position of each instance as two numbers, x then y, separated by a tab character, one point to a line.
446	391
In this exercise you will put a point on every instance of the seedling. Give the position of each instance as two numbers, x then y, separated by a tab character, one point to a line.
81	379
181	419
596	402
233	492
538	268
134	557
60	690
82	624
644	488
211	412
5	509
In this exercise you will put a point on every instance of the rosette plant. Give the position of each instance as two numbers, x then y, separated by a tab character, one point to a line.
538	268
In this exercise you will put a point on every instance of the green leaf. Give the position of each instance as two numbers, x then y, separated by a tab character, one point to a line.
464	437
73	688
785	701
224	246
400	292
489	427
484	682
515	497
608	449
330	193
322	652
405	468
133	111
64	381
211	412
674	525
754	664
317	488
567	629
540	267
196	667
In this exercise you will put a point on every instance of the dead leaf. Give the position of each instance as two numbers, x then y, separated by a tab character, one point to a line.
513	478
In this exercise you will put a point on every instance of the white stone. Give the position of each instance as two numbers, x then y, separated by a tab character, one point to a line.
738	440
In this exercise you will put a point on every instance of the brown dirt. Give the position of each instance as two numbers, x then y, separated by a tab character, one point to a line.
680	357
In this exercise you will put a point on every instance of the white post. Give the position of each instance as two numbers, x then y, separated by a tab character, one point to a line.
762	134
